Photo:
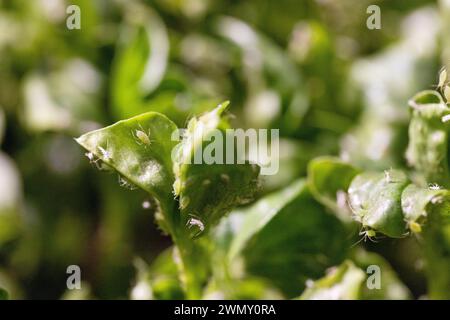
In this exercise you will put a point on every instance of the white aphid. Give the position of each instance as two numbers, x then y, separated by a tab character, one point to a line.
146	204
142	137
105	153
196	222
434	186
90	156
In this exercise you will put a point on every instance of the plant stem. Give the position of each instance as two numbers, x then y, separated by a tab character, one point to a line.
190	266
437	254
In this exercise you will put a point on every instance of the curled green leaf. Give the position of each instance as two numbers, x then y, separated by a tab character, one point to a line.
375	198
418	202
427	150
207	191
143	162
341	283
427	211
328	180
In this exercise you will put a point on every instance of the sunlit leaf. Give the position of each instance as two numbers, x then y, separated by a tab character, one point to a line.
428	138
375	198
143	162
341	283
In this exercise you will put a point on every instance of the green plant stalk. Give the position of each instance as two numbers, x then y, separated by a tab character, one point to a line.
437	254
187	253
191	274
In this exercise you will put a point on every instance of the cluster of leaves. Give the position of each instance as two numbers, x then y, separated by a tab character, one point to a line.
277	236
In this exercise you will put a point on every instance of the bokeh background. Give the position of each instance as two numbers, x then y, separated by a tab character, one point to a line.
308	67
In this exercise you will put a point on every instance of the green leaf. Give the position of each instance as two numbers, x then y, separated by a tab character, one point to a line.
427	211
2	124
428	138
328	180
140	63
3	294
287	238
139	149
417	202
391	287
341	283
208	191
375	199
158	281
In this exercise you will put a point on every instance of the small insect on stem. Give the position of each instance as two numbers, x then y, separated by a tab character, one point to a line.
194	221
367	234
141	136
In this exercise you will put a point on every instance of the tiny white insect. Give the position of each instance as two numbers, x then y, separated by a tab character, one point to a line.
93	159
105	152
195	221
142	137
434	186
126	184
146	204
367	234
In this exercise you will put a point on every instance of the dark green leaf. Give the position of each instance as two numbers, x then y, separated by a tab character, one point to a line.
287	238
208	191
3	294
